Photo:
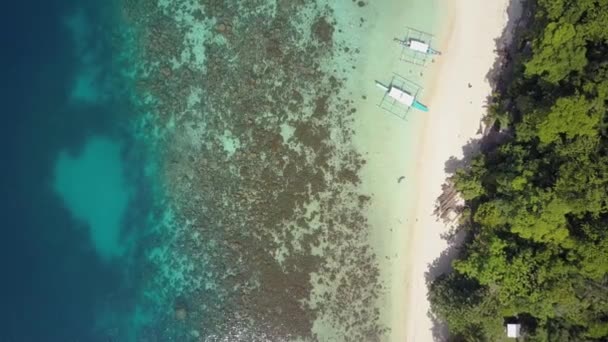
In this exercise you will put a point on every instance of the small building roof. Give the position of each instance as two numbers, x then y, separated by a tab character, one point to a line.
419	46
401	96
513	330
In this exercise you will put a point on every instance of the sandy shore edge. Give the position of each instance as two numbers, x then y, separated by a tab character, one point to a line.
406	159
457	101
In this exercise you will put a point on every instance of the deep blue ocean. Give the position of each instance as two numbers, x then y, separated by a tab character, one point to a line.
69	210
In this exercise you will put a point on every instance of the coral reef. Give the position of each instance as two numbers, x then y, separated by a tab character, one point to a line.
260	169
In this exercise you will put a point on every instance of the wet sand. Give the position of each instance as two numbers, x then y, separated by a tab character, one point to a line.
385	142
458	103
406	160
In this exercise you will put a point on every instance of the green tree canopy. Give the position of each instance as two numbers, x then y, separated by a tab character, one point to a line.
559	52
537	205
571	117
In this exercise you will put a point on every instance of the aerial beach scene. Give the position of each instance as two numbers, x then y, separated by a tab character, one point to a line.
287	170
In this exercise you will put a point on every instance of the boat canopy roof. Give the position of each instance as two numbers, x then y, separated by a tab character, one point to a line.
401	96
417	45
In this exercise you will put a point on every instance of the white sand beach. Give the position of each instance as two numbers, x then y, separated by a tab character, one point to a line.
457	109
405	233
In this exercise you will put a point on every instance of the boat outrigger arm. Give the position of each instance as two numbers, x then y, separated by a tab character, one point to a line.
418	45
402	97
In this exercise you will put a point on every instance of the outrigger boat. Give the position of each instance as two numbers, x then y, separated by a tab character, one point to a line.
400	95
417	46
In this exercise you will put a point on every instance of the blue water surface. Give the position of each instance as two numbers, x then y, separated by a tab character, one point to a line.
69	205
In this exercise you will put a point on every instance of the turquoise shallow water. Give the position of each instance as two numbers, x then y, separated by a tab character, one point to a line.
93	188
80	187
181	171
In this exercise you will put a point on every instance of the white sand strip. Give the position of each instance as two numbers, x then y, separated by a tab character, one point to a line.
456	110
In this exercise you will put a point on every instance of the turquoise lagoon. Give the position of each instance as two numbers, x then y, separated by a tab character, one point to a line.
158	183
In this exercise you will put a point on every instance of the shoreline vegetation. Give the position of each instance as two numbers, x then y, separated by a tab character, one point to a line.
532	230
458	87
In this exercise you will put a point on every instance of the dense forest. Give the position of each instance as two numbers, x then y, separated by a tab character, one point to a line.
536	209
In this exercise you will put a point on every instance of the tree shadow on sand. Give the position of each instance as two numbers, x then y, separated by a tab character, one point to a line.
520	13
442	265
